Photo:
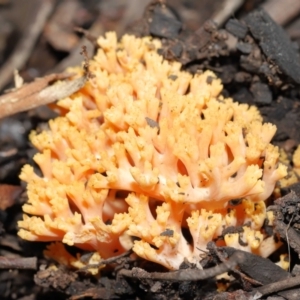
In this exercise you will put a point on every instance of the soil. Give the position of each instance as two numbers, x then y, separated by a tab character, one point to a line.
258	62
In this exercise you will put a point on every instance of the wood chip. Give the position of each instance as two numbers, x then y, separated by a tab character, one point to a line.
40	92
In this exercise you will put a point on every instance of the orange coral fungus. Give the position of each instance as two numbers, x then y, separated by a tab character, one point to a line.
148	151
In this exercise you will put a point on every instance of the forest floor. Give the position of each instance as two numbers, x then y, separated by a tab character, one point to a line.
256	54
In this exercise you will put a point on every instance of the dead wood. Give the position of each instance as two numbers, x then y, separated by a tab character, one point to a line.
279	286
27	263
183	275
40	92
261	269
289	234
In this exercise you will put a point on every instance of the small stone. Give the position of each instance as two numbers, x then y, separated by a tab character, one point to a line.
261	93
244	47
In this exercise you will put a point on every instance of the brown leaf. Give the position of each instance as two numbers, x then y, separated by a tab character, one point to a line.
9	195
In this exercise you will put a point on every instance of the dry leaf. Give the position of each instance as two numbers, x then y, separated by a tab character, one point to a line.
9	195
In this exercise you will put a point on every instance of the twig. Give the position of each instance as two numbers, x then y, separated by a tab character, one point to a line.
282	11
293	237
38	93
106	261
279	285
227	10
29	263
62	90
288	241
24	48
187	274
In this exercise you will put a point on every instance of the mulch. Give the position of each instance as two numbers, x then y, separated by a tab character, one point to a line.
258	63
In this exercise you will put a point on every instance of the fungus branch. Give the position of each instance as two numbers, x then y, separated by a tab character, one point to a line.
143	152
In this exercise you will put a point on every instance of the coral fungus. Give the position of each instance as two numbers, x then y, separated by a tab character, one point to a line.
151	158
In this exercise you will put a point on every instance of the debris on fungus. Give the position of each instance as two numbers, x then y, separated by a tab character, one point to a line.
292	176
142	153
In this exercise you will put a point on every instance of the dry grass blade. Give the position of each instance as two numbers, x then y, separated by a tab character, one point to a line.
40	92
